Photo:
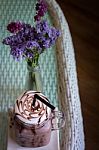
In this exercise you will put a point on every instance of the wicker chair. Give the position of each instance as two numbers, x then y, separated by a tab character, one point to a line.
60	84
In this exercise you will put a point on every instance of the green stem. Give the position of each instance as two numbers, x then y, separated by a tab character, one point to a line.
35	81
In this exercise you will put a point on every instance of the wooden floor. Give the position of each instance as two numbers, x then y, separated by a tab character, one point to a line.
84	27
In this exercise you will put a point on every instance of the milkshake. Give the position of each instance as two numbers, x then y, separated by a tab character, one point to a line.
32	123
32	119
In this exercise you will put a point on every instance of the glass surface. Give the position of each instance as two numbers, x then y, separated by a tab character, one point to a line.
13	75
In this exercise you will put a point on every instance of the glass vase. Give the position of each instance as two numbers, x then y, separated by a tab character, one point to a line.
34	78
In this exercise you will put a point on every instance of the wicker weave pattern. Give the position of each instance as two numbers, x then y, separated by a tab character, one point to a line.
68	87
59	78
14	76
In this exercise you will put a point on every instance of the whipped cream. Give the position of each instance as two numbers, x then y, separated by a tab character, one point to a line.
29	114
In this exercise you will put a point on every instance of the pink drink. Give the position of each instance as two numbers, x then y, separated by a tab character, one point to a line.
32	124
32	136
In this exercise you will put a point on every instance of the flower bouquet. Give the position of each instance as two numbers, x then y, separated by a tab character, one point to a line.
28	42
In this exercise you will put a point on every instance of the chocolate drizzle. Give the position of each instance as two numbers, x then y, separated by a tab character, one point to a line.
39	120
25	110
33	131
20	129
46	114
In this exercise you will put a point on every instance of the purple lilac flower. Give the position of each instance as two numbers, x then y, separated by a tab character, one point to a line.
14	27
18	42
46	35
24	35
28	54
46	43
32	44
42	27
30	40
7	40
17	51
11	40
53	35
41	9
